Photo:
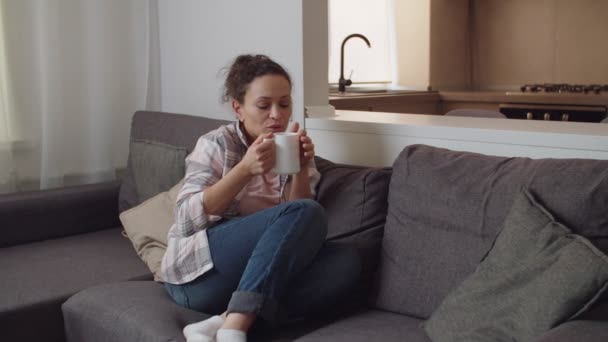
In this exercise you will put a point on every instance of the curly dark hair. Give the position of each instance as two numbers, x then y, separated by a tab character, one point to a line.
244	70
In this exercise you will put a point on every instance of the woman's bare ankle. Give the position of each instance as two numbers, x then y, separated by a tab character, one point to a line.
238	321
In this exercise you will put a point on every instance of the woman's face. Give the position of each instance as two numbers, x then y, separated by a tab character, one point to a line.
266	106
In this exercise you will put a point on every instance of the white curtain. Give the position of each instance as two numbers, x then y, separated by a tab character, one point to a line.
72	73
6	158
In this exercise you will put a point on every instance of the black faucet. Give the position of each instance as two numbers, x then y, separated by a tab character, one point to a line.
342	83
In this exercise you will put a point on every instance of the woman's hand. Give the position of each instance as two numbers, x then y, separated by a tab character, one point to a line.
258	159
307	148
260	156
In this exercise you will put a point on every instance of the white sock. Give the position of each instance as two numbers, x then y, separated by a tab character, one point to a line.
231	335
199	338
196	332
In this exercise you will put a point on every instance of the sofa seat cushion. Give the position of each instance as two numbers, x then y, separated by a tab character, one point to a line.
371	325
38	277
447	207
127	311
141	311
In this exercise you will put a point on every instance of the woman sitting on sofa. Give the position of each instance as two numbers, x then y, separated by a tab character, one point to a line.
248	242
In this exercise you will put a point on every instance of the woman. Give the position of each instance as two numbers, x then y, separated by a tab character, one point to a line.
247	242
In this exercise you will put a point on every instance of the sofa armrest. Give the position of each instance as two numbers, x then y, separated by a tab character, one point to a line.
574	331
46	214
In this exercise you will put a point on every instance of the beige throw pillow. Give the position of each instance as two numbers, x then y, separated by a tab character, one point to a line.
147	226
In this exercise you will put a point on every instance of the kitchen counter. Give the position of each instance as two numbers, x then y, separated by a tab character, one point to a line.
486	96
376	138
521	97
411	94
353	119
421	102
578	107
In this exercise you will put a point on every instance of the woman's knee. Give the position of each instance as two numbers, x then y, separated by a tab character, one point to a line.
313	214
308	205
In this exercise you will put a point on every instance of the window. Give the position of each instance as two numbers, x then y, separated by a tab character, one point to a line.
371	18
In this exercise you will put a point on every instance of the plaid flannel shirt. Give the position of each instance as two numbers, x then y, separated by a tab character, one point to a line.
216	153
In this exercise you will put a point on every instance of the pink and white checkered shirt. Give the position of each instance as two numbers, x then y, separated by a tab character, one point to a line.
216	153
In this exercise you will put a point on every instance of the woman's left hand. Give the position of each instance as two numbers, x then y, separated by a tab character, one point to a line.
307	148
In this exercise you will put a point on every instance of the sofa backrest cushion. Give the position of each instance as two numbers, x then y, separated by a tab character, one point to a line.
155	167
355	199
158	137
29	216
446	208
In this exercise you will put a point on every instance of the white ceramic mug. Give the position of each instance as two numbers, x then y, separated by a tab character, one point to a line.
287	153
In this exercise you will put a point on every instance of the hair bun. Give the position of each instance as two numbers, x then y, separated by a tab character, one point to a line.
244	69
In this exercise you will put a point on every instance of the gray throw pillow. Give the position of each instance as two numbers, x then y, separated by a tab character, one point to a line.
156	167
536	276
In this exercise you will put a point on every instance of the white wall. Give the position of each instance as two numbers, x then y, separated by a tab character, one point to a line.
315	30
412	34
199	38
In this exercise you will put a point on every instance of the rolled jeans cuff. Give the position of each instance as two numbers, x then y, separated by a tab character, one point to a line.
253	302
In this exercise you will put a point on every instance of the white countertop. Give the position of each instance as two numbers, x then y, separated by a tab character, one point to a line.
574	139
345	118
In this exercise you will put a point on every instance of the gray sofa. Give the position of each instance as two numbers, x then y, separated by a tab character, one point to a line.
421	227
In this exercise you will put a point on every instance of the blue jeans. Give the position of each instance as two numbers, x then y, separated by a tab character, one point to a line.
274	263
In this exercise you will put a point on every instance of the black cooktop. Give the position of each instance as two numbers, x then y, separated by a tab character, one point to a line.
565	88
